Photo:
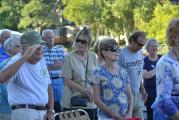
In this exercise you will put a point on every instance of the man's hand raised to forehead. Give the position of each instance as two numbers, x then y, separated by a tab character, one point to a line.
30	50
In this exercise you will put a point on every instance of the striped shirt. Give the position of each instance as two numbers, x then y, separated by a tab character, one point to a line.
52	55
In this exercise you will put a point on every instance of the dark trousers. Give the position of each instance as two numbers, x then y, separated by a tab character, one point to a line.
91	112
148	104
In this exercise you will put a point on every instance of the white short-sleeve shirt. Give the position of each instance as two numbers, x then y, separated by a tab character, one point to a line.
30	84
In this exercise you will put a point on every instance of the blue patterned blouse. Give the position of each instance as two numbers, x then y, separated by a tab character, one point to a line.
113	90
167	82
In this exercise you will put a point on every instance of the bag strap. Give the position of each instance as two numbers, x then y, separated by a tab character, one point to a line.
86	71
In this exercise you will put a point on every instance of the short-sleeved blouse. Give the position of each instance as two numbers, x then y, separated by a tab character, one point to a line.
75	69
167	82
113	89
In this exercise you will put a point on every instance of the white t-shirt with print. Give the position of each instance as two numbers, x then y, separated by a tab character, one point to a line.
30	84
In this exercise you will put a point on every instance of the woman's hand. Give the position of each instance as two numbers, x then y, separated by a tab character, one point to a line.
89	93
128	115
116	116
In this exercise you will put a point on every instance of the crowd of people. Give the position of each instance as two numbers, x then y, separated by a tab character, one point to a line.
38	78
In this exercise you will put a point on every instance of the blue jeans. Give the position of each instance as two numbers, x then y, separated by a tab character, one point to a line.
5	116
57	87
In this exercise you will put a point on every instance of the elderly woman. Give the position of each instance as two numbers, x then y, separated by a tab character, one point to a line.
96	48
111	85
149	74
77	72
12	47
166	106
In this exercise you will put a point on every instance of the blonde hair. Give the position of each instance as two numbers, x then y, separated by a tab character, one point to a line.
86	33
172	30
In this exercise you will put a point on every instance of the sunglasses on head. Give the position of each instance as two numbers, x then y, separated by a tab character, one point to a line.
82	41
114	49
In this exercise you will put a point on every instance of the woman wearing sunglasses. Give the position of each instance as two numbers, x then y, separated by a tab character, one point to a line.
77	72
111	85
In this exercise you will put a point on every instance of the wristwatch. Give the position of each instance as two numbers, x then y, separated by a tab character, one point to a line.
51	110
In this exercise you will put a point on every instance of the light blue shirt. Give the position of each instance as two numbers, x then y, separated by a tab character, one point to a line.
3	54
4	105
133	63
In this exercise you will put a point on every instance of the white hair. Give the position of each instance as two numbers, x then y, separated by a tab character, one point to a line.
150	41
9	43
47	31
3	31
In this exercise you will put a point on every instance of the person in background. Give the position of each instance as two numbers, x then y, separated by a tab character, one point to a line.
4	35
54	57
131	58
77	72
149	74
12	46
29	86
166	105
111	84
96	48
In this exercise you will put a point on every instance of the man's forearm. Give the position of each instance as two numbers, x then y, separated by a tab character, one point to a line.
8	72
141	85
50	105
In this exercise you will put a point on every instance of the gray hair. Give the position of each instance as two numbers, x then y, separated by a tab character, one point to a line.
44	33
106	43
9	43
3	31
149	41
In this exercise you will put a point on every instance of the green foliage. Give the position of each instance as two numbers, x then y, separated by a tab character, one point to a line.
80	11
10	13
117	17
156	27
37	14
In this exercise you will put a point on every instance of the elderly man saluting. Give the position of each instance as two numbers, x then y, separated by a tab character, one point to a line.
29	86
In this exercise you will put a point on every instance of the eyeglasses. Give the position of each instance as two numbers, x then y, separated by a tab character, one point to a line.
50	37
114	49
17	46
82	41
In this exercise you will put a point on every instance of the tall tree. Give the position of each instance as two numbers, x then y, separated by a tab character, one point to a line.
156	27
38	14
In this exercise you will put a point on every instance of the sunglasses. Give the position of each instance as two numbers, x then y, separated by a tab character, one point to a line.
82	41
140	44
114	49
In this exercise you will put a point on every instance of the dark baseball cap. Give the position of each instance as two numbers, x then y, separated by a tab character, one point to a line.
31	37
